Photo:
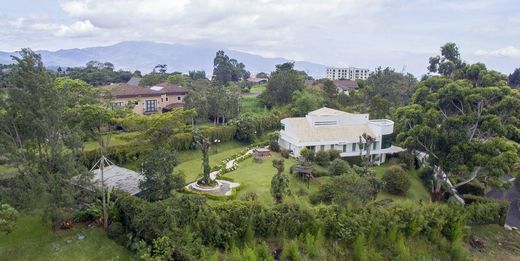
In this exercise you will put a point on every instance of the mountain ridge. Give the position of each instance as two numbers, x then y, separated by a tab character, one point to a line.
144	55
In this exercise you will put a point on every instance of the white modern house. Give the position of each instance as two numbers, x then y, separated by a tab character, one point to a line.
347	73
329	129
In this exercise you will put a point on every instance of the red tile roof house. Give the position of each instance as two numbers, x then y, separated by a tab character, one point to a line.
148	99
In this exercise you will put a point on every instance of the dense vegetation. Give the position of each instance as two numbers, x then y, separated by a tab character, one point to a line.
465	118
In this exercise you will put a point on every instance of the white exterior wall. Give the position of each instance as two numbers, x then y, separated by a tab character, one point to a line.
350	73
288	139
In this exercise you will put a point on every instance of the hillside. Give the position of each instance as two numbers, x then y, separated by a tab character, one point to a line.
144	56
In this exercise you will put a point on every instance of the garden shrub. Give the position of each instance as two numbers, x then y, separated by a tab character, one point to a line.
474	187
115	230
319	172
427	176
338	167
274	146
395	180
285	153
334	154
322	158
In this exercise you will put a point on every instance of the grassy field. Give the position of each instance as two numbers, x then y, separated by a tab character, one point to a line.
33	240
191	160
7	171
115	140
250	104
256	177
499	243
416	192
258	88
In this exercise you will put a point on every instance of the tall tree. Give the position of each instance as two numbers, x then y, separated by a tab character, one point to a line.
514	78
226	70
282	85
36	136
463	129
279	182
159	179
197	75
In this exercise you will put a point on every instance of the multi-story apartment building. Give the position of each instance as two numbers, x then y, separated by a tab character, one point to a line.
350	73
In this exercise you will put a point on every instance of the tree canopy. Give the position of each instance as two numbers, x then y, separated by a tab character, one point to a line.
462	125
227	69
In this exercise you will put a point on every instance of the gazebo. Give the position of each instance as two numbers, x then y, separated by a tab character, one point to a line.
262	152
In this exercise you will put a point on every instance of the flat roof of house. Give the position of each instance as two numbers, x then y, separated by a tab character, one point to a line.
125	90
305	132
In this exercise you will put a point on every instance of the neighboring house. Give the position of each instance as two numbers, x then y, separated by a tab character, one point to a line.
257	80
150	99
347	73
328	129
342	86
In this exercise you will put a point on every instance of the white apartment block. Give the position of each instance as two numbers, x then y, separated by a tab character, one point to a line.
350	73
328	129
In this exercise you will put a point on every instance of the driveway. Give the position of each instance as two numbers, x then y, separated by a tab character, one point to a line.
513	195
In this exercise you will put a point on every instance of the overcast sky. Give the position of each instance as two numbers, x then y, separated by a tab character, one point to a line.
363	33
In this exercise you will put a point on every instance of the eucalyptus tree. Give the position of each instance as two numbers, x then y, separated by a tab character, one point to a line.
467	130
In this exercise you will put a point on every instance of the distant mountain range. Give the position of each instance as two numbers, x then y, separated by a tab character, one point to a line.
144	56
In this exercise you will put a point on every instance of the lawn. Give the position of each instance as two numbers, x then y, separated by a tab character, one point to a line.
116	140
417	190
191	160
256	177
250	104
499	243
7	171
259	88
33	240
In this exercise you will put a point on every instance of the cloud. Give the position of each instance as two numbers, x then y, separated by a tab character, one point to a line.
77	29
509	51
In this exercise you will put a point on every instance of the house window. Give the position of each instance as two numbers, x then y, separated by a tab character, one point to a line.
162	100
150	105
374	145
313	148
353	146
178	98
117	104
282	126
166	98
344	147
332	146
322	147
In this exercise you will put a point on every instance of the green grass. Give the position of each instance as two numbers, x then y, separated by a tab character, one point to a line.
250	104
256	177
32	240
416	192
7	171
499	243
116	140
191	160
258	88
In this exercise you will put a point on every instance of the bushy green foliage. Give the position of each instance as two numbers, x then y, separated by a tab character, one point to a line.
338	167
474	187
8	217
395	180
115	230
280	182
322	158
348	189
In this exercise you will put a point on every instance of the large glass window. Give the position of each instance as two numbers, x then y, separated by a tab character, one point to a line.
344	147
353	146
150	105
386	141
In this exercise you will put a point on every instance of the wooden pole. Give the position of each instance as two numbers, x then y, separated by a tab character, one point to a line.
103	198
